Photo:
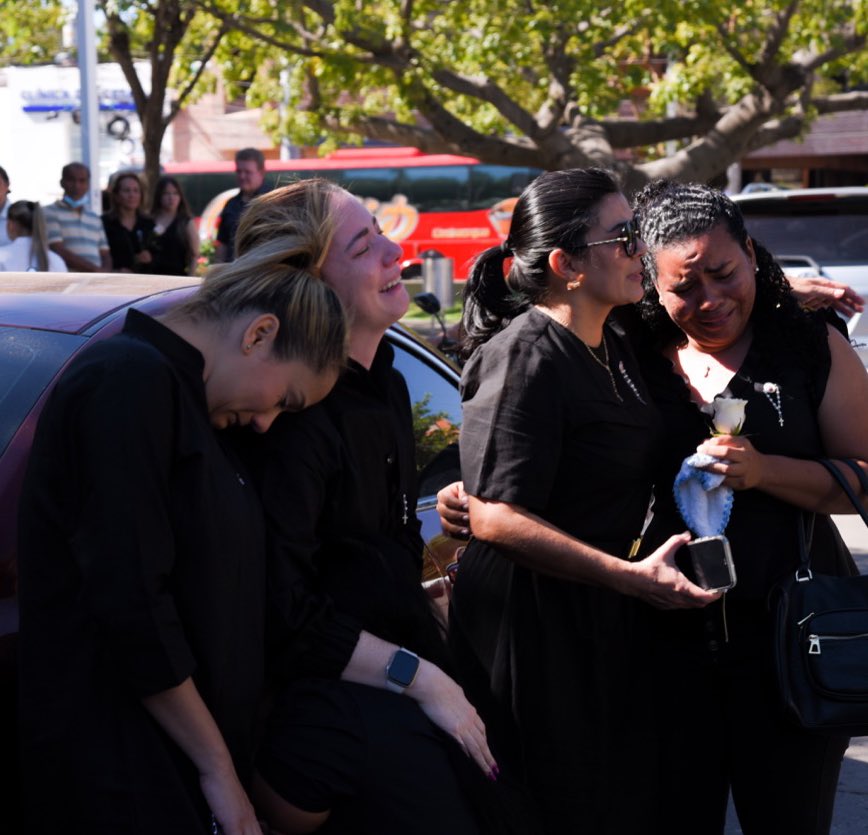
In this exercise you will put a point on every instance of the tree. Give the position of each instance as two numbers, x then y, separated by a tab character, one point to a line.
178	41
522	82
30	31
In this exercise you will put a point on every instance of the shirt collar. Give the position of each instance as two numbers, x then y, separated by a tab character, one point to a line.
187	360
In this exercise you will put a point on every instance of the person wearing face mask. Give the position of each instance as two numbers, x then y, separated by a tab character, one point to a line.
76	233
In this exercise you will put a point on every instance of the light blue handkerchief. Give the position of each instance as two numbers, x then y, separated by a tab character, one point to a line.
703	502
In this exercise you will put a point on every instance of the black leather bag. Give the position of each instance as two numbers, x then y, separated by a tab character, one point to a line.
821	640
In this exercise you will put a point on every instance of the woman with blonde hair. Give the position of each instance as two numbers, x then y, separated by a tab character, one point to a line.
142	556
29	250
366	711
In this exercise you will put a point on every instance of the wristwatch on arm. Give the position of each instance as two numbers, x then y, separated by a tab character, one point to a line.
401	670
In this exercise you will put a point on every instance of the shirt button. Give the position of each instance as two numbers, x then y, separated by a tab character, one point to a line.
390	459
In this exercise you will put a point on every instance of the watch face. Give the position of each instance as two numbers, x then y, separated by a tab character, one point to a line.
402	668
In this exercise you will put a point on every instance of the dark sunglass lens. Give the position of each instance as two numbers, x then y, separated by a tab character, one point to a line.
632	234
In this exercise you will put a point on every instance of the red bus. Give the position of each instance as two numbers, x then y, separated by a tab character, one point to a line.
453	204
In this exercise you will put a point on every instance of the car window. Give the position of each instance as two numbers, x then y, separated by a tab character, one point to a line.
28	361
436	416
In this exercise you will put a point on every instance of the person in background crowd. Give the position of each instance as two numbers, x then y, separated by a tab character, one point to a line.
723	322
28	249
142	556
4	206
557	446
250	173
174	242
127	229
74	232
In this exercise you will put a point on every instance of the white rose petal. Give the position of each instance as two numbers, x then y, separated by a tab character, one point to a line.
728	415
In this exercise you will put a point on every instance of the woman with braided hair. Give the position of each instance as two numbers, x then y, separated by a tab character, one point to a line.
722	321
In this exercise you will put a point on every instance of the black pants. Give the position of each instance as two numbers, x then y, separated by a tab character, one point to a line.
722	730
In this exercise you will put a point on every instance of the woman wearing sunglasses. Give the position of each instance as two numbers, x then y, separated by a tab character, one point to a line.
556	454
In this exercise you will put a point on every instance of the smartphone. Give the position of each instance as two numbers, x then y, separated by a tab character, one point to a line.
712	564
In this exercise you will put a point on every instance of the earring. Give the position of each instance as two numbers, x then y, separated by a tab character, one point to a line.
574	285
247	347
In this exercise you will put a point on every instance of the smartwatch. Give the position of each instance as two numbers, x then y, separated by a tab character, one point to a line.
401	670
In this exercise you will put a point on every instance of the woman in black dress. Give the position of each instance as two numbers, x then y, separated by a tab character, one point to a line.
557	447
127	228
174	241
723	321
142	557
348	614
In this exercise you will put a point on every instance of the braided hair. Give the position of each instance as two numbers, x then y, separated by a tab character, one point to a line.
671	213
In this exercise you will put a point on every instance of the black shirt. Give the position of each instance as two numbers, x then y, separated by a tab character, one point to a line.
125	243
229	218
141	564
345	553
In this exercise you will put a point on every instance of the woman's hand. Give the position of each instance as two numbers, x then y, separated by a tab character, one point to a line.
814	293
452	505
737	460
445	704
658	580
143	257
229	803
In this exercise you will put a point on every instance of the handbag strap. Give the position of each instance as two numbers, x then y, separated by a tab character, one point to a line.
845	485
863	479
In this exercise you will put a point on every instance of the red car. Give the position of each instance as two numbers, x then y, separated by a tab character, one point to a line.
45	320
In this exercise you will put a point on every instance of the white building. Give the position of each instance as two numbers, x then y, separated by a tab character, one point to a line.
39	130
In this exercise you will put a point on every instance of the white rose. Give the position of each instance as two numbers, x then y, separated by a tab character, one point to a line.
728	415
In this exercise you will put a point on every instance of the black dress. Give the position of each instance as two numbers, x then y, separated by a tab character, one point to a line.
717	697
544	429
142	562
125	243
338	482
170	250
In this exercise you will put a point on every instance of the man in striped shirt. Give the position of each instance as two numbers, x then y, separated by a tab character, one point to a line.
74	232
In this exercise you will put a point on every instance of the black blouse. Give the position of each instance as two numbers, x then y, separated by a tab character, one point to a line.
762	529
141	564
124	243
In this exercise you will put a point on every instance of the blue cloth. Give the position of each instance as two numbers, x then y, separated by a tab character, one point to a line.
703	502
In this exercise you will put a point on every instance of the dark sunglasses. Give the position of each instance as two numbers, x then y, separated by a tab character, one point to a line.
629	237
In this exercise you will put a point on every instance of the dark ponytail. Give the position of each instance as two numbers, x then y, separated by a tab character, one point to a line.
489	304
555	211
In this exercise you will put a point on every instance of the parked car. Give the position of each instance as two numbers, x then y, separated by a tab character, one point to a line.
813	231
47	319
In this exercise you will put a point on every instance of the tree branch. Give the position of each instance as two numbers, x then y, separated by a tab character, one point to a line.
487	91
841	102
184	94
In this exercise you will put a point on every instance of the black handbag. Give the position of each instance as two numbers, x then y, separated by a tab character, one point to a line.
820	627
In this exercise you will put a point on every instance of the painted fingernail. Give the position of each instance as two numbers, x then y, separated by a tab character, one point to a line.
465	531
465	518
495	769
492	775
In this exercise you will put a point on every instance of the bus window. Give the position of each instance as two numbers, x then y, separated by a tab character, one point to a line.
379	183
438	188
490	184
